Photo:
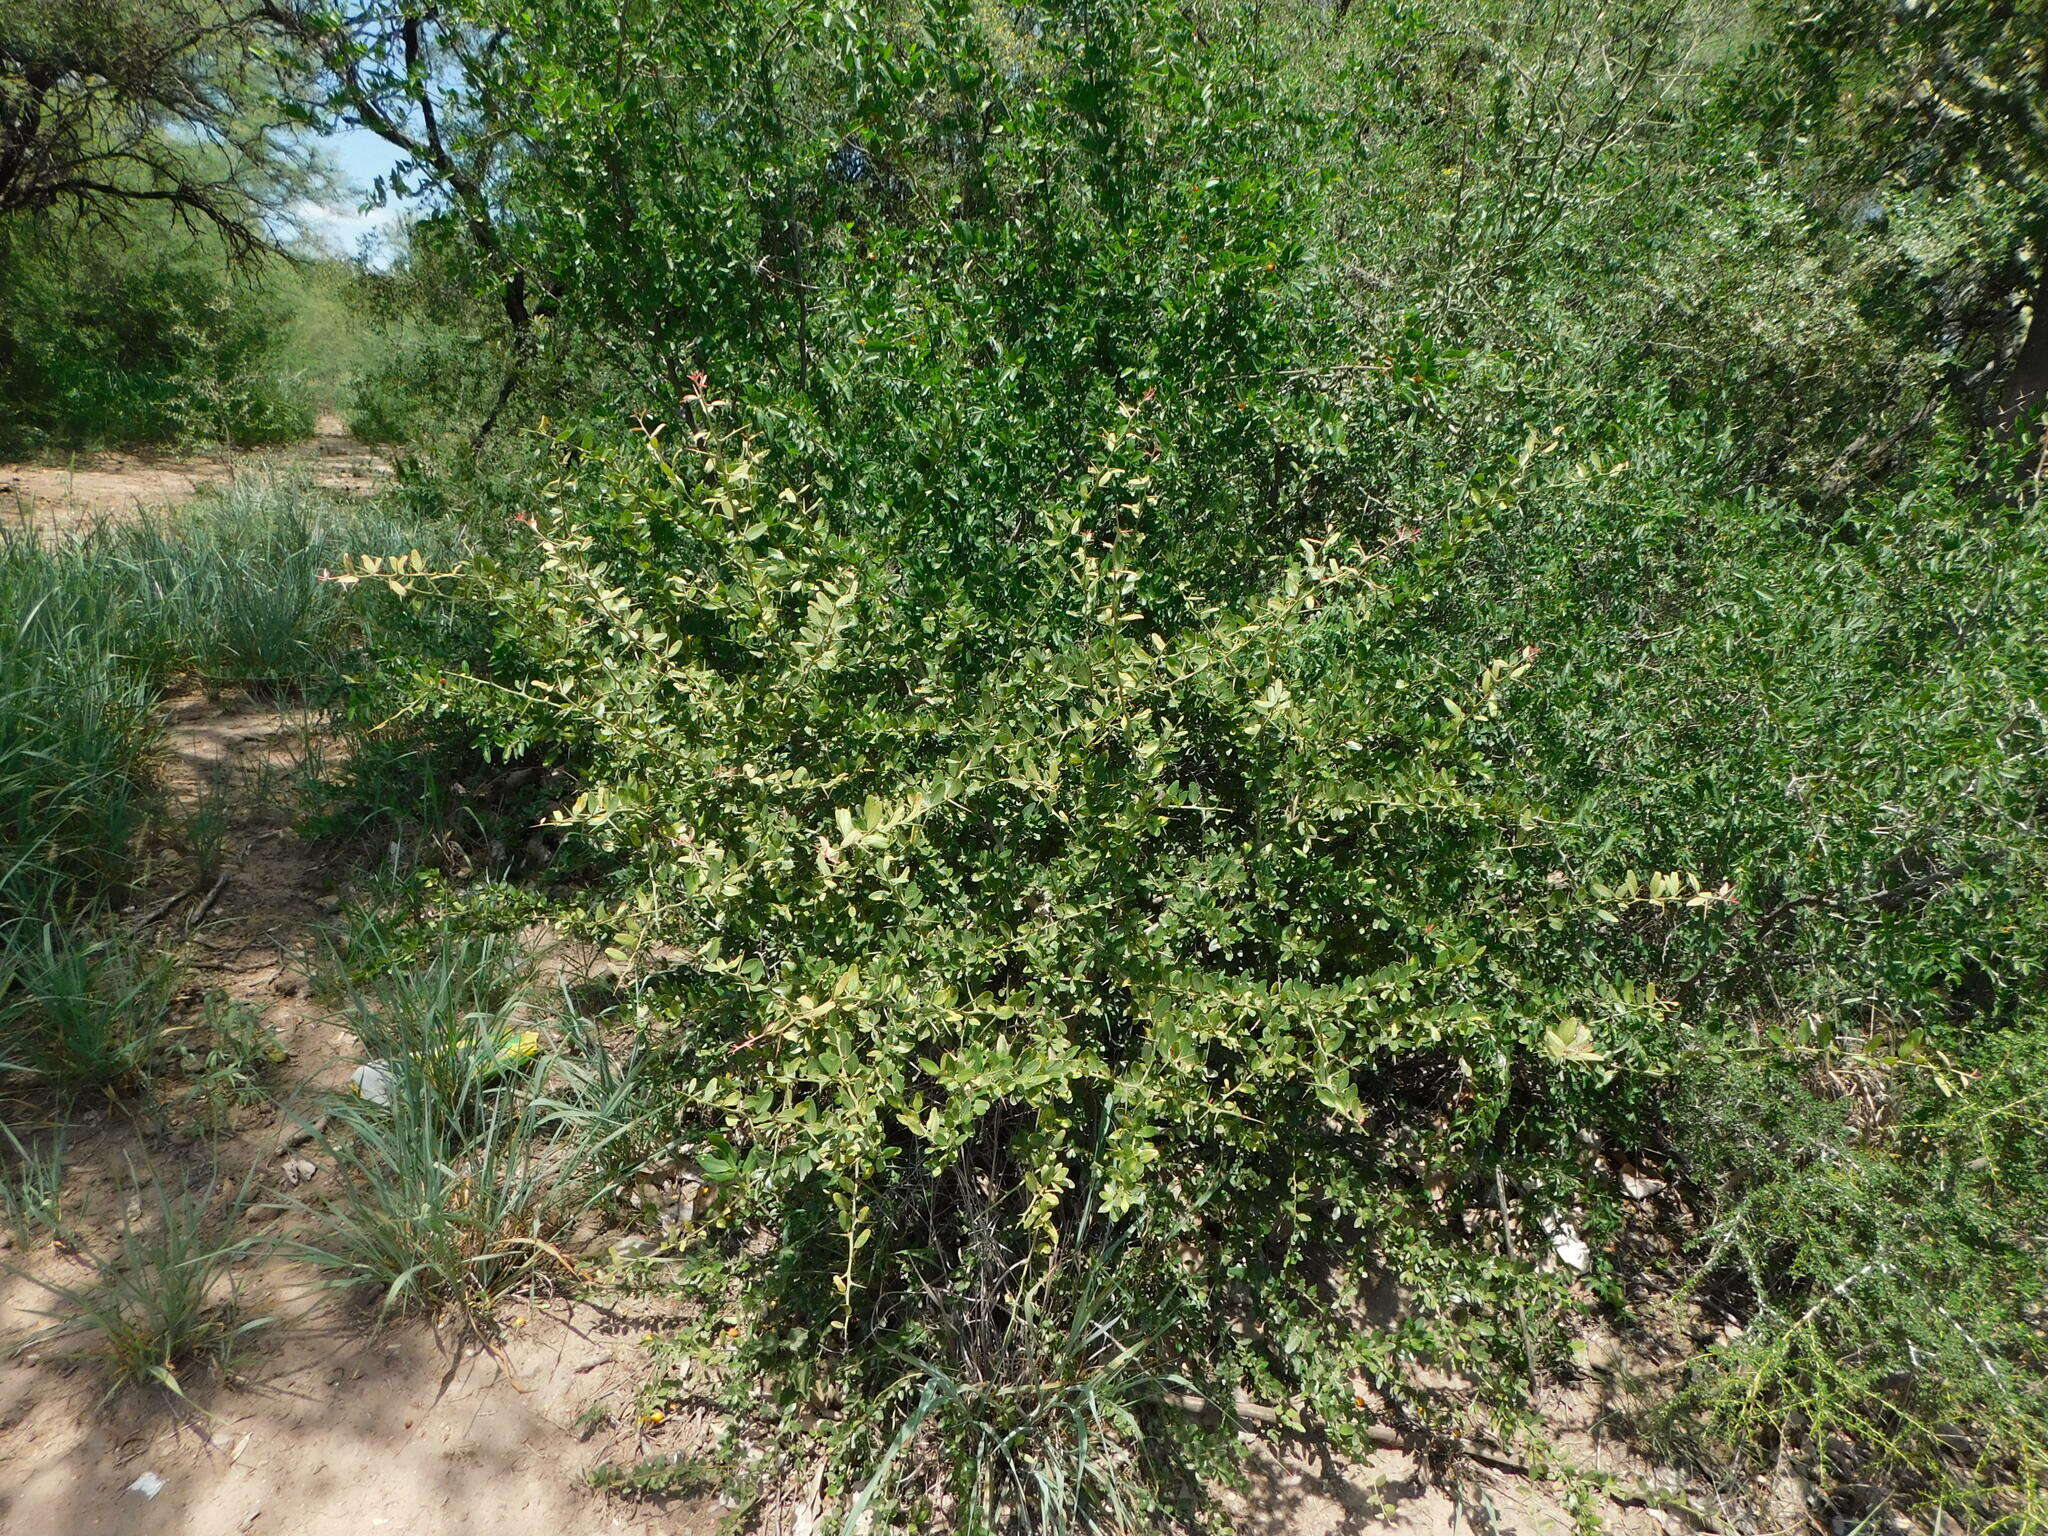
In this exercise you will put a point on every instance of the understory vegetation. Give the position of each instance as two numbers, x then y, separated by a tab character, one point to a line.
97	627
147	348
1260	708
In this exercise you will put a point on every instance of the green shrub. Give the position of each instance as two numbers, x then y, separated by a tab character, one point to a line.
1875	1225
1340	624
103	343
1216	928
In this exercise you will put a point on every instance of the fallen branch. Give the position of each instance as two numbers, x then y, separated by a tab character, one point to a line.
198	914
161	908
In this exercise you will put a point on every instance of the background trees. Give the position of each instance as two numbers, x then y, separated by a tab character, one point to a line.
150	173
109	106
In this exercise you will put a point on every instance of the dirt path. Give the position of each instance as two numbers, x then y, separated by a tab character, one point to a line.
94	487
335	1428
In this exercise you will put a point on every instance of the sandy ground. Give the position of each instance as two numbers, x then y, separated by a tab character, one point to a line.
335	1427
92	487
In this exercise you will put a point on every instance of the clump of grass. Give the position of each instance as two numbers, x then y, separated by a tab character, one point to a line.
81	1014
1026	1391
452	1204
403	923
228	589
437	1000
235	581
163	1305
203	830
1039	1425
464	1173
94	626
32	1183
77	730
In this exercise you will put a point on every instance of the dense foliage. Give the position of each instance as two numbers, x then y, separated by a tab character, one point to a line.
1297	641
1260	700
148	342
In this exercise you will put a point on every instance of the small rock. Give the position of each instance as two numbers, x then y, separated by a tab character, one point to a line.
328	903
298	1170
1641	1186
286	985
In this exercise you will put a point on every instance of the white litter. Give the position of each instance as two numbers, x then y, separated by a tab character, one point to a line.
373	1081
1566	1243
149	1485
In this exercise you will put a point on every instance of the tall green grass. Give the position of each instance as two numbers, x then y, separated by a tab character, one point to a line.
81	1012
230	591
76	728
31	1181
94	627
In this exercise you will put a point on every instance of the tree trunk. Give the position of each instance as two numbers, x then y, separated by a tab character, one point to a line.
2025	390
